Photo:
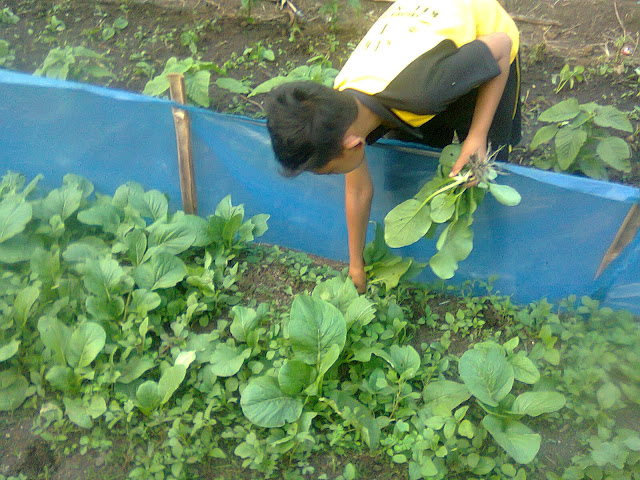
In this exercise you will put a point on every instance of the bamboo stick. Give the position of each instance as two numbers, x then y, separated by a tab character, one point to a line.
182	122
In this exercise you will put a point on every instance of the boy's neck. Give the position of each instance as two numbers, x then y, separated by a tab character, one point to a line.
366	121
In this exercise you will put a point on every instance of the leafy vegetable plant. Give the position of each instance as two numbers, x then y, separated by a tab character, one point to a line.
79	63
450	201
581	139
197	77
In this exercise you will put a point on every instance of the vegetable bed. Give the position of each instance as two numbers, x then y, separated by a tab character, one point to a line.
137	342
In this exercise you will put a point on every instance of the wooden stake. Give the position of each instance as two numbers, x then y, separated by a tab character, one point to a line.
182	122
625	235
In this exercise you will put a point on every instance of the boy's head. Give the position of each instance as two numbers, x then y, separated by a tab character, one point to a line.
308	123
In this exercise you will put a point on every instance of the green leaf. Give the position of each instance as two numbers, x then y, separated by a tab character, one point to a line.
593	167
615	152
61	201
105	307
315	325
103	276
294	376
134	368
456	247
23	303
197	86
407	223
196	225
233	85
265	405
609	116
226	360
389	272
359	416
445	393
19	248
102	215
523	368
442	207
537	403
245	320
328	359
63	378
270	84
77	413
405	360
505	194
136	242
15	213
361	311
607	395
337	291
152	204
568	144
148	397
86	342
164	270
543	135
9	350
520	442
13	390
561	112
487	375
87	248
169	238
120	23
55	336
169	381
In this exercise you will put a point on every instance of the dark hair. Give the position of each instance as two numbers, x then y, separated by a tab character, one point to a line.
307	123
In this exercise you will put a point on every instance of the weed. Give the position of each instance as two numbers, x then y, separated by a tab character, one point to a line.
568	76
8	17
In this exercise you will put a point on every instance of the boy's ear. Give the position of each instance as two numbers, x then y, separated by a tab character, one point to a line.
352	141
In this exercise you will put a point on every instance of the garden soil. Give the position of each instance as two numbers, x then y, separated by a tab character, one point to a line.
601	35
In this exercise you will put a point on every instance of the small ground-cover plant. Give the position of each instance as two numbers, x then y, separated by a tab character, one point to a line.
582	142
450	201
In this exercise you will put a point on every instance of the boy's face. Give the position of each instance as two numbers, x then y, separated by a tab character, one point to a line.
350	159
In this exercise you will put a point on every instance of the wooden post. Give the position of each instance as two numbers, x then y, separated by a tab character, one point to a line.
182	123
625	235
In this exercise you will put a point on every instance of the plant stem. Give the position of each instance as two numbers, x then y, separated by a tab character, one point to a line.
455	181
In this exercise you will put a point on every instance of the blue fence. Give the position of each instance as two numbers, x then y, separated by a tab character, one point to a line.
551	245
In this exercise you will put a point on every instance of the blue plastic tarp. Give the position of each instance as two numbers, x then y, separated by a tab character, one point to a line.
551	245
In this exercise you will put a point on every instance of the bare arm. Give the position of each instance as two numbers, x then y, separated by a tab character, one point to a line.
489	96
358	196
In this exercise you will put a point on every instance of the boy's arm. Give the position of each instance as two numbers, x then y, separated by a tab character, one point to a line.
358	195
489	95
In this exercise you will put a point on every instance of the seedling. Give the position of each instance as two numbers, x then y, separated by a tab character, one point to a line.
568	76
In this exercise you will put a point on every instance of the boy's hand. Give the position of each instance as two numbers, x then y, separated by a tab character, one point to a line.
470	146
359	278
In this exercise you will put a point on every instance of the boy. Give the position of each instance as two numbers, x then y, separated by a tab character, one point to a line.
427	69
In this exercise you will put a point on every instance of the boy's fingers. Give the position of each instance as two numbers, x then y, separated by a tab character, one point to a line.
461	162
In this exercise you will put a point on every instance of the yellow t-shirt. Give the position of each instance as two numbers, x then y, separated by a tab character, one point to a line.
409	29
